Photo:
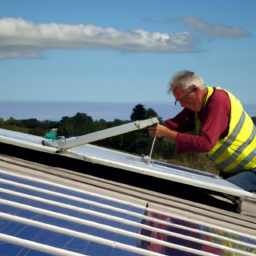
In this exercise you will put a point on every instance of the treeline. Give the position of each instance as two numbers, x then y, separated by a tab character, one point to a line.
31	126
136	142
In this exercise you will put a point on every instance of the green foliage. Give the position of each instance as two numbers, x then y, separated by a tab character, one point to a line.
78	125
16	128
152	113
65	126
31	126
116	142
139	112
30	123
1	122
163	149
14	122
137	142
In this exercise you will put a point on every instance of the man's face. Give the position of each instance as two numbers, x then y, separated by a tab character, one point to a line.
188	98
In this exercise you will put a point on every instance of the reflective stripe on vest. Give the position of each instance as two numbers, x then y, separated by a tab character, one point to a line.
237	150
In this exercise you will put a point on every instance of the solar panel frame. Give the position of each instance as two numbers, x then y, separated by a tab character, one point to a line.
120	160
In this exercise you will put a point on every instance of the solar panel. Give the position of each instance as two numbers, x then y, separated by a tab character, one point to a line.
130	162
39	217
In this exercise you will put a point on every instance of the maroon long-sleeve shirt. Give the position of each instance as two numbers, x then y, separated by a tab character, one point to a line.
215	124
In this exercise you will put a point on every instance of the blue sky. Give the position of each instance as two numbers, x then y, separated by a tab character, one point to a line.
123	51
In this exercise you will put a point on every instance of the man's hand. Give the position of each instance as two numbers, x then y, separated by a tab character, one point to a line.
157	130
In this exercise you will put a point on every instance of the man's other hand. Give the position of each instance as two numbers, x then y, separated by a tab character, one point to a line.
157	130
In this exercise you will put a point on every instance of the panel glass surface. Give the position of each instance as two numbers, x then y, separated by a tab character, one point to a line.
63	191
67	241
8	249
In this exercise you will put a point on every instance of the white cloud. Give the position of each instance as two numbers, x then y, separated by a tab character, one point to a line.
214	30
23	39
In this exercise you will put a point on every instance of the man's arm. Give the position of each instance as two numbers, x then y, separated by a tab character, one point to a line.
215	124
183	122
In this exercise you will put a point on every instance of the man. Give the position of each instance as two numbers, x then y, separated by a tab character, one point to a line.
222	128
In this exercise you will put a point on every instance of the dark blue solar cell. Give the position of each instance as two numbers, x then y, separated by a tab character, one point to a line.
3	224
8	249
55	239
127	240
95	249
119	252
43	236
58	199
65	191
17	211
17	229
59	222
30	252
131	228
138	210
109	212
46	196
103	234
133	218
38	204
90	217
104	221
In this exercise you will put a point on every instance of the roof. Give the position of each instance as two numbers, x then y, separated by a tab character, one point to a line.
90	205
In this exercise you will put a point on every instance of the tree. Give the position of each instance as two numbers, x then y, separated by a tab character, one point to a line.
151	113
1	122
78	125
65	126
13	121
138	113
30	123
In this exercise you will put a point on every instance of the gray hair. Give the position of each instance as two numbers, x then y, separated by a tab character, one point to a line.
186	78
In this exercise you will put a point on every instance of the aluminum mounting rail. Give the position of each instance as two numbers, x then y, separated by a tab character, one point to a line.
118	245
112	208
125	232
66	143
51	250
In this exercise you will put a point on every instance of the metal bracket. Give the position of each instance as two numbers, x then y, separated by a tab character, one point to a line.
85	139
137	125
147	159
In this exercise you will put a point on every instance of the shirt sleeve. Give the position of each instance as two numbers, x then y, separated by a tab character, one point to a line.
183	122
215	123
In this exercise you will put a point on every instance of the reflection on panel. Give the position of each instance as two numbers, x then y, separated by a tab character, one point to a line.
177	228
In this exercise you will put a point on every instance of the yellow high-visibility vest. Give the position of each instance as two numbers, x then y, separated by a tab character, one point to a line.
237	151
